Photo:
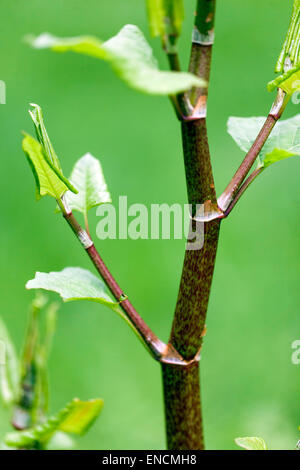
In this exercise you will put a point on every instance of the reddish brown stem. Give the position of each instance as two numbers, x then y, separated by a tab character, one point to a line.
230	192
151	341
201	52
181	385
198	265
184	416
227	197
182	393
242	189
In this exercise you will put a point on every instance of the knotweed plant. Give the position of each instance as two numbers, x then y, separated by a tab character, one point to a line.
264	141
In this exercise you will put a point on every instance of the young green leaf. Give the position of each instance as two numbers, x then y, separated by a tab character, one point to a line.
49	180
47	147
43	160
75	418
288	81
165	17
9	368
251	443
284	140
130	56
36	115
288	63
81	416
73	284
88	178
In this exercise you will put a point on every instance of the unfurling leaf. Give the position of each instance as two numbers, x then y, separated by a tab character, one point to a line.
288	81
48	150
9	367
87	176
288	63
73	284
165	17
284	140
44	161
251	443
48	179
130	56
75	418
42	135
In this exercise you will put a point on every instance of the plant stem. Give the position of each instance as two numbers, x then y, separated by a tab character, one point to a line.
201	53
180	101
198	265
155	346
227	197
182	404
184	417
86	223
243	188
230	192
161	352
174	62
181	385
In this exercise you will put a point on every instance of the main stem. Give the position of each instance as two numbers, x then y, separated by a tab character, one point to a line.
181	384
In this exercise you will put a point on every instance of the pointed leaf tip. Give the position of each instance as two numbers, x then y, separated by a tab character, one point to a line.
87	176
43	160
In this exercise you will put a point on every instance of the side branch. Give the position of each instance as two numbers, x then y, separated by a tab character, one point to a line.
226	199
161	352
155	346
242	189
180	101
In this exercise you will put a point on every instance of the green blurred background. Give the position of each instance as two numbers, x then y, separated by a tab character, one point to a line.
249	384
